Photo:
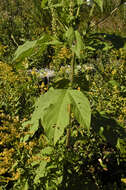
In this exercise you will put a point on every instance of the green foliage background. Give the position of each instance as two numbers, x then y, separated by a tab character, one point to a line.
88	152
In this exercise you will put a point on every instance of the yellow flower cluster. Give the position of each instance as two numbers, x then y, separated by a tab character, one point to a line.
9	144
64	53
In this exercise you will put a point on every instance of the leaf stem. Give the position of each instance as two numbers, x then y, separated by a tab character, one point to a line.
69	128
72	68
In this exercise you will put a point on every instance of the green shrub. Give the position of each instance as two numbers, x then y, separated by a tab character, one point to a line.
17	91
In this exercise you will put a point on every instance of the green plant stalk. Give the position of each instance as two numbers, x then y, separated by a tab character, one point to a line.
72	69
78	12
91	11
69	128
53	13
71	12
68	138
71	8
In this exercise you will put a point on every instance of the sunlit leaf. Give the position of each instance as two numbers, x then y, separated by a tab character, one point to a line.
80	2
99	3
30	47
24	50
26	186
52	111
123	180
70	35
40	171
44	3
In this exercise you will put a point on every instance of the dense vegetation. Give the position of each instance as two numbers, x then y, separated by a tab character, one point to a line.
62	95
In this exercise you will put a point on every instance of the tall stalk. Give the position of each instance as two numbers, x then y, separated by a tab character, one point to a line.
69	127
72	69
54	18
71	12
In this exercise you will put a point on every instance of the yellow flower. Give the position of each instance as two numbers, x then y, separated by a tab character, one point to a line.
33	72
114	72
123	180
42	85
72	115
124	110
3	171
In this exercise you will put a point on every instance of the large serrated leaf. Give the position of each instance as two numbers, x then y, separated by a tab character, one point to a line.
52	110
57	116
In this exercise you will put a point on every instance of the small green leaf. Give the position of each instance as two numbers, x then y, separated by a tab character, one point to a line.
99	3
45	6
26	186
70	35
104	166
30	47
46	151
54	42
40	171
80	2
113	83
44	3
79	46
24	50
121	145
41	163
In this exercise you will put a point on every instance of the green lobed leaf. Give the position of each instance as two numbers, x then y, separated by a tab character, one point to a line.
56	117
52	110
41	104
81	108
